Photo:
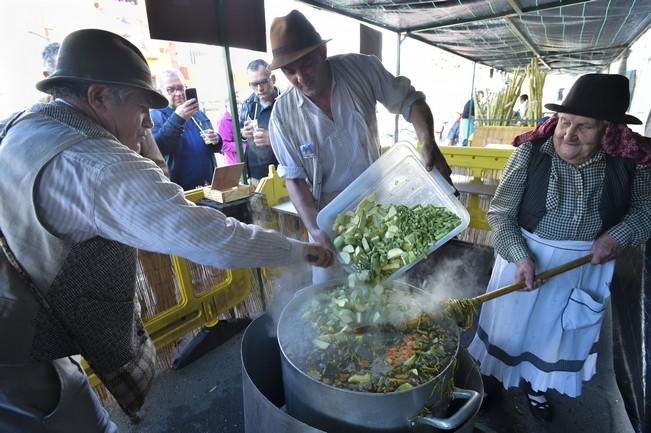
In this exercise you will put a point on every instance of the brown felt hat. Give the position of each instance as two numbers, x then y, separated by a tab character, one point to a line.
600	96
99	57
292	37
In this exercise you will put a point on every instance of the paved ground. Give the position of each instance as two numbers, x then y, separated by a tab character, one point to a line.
598	410
206	397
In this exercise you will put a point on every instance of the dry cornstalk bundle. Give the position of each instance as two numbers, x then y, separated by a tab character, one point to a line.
499	106
536	78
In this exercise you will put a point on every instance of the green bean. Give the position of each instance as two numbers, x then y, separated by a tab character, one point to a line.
378	240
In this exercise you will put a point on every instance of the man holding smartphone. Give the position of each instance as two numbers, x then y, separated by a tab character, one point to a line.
184	134
254	118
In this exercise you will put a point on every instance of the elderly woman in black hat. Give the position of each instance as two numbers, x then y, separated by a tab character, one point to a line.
76	202
579	184
324	129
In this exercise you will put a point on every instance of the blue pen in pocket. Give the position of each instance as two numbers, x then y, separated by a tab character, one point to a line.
307	150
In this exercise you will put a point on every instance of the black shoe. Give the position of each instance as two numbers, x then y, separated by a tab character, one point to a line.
542	410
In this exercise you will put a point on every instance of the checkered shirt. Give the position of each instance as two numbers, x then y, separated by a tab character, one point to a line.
573	198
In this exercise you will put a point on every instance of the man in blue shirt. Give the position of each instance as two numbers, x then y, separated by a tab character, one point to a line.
184	135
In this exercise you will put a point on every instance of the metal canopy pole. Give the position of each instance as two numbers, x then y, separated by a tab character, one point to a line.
397	118
212	336
471	119
646	339
220	5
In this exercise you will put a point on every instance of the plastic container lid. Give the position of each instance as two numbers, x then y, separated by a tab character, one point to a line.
397	177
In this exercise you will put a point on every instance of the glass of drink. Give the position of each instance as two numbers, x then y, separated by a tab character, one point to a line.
204	126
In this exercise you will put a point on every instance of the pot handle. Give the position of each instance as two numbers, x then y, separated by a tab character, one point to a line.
465	412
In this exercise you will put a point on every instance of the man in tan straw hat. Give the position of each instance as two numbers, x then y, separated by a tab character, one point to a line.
579	184
324	128
76	203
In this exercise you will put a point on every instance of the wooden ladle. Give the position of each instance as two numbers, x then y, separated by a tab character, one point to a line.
463	310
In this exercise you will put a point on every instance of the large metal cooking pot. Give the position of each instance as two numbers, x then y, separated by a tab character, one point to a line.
340	410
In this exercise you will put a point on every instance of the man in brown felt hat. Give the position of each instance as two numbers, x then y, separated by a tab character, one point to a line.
76	203
147	146
579	184
324	128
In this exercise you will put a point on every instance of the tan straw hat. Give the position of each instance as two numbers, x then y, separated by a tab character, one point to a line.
292	37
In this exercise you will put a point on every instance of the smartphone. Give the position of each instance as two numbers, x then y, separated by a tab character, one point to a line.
191	93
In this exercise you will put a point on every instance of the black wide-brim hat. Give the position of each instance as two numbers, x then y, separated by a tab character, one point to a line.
99	57
292	37
600	96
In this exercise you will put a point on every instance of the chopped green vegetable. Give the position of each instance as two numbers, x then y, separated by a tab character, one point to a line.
372	342
320	344
409	362
378	240
405	386
360	378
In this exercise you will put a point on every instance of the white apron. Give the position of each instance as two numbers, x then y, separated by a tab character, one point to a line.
546	336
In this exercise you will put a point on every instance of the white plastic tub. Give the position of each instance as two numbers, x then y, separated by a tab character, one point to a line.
397	177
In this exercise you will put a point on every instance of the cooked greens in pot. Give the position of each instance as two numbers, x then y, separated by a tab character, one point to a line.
369	339
376	241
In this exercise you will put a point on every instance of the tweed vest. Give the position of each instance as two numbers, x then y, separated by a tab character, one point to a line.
615	195
90	285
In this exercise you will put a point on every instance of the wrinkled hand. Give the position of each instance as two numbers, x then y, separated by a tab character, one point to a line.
248	130
604	248
318	255
434	159
261	137
187	109
525	270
